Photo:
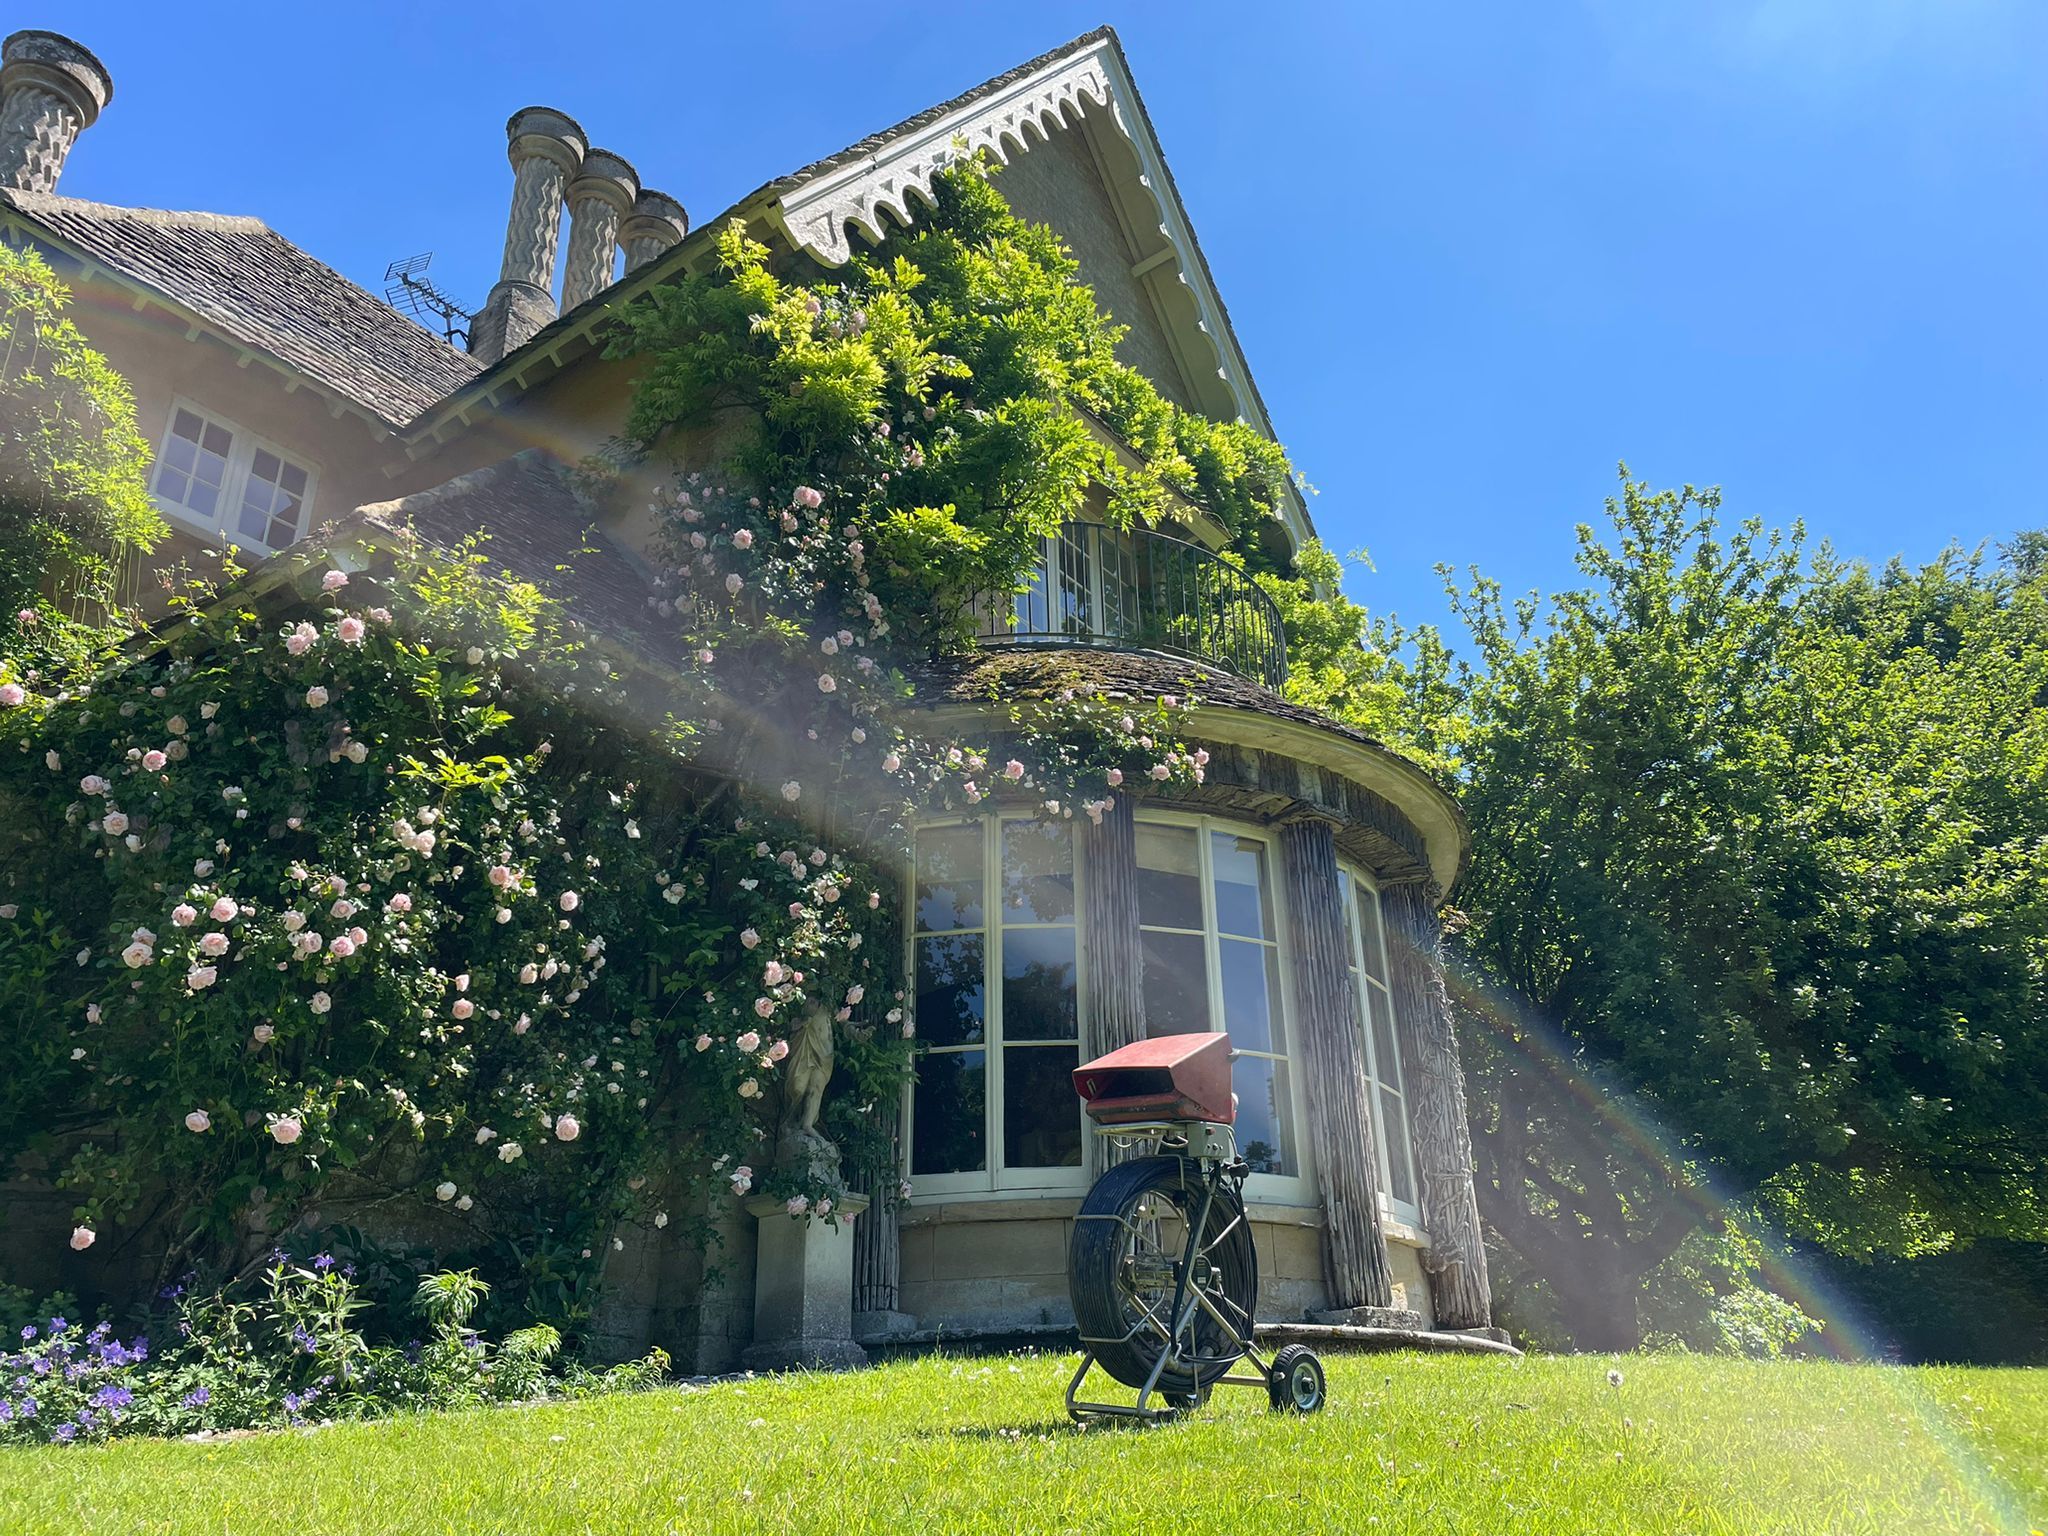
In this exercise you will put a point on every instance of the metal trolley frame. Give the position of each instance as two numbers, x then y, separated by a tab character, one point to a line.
1292	1377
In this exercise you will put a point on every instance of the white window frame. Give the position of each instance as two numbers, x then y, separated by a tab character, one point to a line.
1409	1211
1298	1188
995	1178
241	458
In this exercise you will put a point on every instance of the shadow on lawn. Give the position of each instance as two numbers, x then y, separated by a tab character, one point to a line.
1041	1428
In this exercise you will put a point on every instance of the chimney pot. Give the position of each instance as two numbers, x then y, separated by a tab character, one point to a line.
546	148
51	91
657	222
600	196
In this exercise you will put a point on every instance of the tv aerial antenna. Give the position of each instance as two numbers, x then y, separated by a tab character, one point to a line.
407	288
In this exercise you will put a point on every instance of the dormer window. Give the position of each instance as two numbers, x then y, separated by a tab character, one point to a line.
217	479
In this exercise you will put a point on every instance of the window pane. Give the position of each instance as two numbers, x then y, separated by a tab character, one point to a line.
265	466
1176	984
949	1123
1401	1176
1041	1111
1386	1061
1251	995
1169	877
1243	904
180	454
1369	933
203	498
1038	984
217	440
254	520
1038	872
1263	1136
184	424
294	480
951	995
949	887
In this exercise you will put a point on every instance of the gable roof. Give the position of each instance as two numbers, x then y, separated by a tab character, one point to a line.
886	175
244	279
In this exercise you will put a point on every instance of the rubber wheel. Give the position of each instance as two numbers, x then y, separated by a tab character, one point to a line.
1121	1265
1295	1384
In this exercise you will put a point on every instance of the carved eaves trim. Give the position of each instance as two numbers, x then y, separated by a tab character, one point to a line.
868	192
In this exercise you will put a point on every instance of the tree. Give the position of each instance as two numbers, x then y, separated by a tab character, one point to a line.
1755	913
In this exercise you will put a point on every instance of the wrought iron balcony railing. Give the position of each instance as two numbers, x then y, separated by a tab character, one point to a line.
1095	585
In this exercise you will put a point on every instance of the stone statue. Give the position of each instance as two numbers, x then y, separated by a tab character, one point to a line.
805	1077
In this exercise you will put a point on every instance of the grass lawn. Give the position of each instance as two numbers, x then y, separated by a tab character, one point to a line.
1422	1444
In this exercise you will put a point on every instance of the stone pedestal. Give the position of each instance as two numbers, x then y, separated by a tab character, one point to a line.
880	1326
803	1288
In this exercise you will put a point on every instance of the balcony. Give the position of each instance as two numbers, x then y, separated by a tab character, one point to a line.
1100	586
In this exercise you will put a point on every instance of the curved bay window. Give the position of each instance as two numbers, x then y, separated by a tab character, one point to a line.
996	971
1394	1147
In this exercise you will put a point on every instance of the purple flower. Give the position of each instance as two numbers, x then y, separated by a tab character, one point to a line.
65	1434
302	1338
323	1261
111	1396
28	1333
58	1325
196	1398
6	1410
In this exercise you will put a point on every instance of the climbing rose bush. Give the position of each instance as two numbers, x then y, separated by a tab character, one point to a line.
318	905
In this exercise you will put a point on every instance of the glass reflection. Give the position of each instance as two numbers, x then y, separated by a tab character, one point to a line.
949	878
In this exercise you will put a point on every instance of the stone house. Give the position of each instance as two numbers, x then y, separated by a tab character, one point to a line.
1291	899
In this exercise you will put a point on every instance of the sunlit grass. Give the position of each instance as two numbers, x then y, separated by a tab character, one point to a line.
1409	1443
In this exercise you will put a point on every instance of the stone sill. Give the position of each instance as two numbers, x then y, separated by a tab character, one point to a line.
1491	1341
944	1210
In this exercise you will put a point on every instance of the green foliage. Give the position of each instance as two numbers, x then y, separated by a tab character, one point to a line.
1756	902
309	906
283	1349
73	497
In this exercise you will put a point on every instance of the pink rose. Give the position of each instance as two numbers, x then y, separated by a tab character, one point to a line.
152	760
462	1008
286	1129
1013	770
342	946
570	901
198	1122
807	498
743	538
334	581
224	910
1115	776
400	903
749	938
1161	772
772	974
316	697
764	1006
748	1043
567	1128
301	640
82	1238
791	790
891	762
213	944
351	630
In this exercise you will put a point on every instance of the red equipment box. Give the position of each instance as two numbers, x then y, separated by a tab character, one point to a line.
1175	1077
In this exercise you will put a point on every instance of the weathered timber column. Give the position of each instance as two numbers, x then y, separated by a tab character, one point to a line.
546	148
600	196
1116	958
51	90
1332	1054
878	1245
1459	1291
657	222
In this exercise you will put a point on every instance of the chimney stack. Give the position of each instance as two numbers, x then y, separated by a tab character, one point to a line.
657	222
546	148
598	198
51	90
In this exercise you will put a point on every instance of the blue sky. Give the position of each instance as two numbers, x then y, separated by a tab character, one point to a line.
1476	255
